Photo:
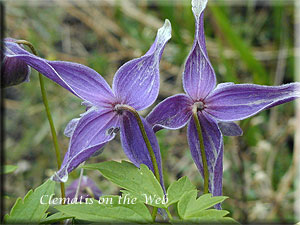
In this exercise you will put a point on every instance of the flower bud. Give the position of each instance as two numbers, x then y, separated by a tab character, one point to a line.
13	70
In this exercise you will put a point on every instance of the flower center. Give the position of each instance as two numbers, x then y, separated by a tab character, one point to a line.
200	105
118	109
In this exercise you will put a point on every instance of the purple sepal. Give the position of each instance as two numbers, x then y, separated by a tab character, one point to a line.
213	144
136	83
134	145
218	176
94	129
199	78
230	129
172	113
80	80
231	102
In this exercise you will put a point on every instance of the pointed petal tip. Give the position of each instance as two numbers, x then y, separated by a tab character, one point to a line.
198	6
167	27
240	101
56	177
136	83
164	33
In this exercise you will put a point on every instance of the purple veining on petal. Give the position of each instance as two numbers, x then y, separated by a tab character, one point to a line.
89	136
199	77
134	145
239	101
198	11
172	113
81	80
136	83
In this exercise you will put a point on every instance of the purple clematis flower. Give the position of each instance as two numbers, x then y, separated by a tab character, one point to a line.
136	84
87	189
216	107
13	71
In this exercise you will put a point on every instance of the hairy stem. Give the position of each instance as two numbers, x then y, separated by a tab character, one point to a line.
202	149
147	142
47	109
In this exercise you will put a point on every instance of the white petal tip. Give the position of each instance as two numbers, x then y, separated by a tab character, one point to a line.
164	33
198	6
57	178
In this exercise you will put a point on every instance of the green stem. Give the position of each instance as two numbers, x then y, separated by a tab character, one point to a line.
147	142
46	104
154	213
169	214
202	149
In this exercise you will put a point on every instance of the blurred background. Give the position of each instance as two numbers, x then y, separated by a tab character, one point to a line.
247	41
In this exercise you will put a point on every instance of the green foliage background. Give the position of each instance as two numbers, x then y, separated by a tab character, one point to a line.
246	43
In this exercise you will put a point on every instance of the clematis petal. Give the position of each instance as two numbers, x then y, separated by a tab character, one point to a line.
199	78
213	144
80	80
94	129
230	129
136	83
172	113
134	145
240	101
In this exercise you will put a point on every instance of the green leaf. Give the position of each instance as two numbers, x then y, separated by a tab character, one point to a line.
213	220
190	207
30	210
178	188
9	169
108	209
140	183
210	213
55	218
